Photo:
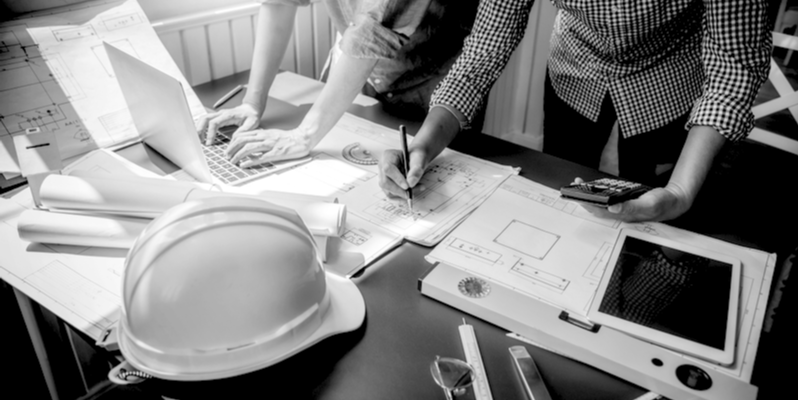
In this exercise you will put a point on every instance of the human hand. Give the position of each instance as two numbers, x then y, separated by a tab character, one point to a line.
245	115
392	181
267	145
659	204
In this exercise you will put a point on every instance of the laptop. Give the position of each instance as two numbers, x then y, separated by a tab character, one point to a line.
162	117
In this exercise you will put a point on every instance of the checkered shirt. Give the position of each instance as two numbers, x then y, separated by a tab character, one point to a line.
657	59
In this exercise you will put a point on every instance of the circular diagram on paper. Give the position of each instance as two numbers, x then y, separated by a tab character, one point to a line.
357	154
474	287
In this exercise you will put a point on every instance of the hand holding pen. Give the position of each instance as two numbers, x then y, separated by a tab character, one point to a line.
406	157
401	170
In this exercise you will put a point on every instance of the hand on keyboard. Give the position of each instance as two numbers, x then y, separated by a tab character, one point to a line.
245	115
267	145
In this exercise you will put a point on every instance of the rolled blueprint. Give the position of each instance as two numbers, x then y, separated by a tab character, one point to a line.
79	229
322	219
149	197
141	197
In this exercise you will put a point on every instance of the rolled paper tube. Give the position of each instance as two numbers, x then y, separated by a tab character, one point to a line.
149	197
322	219
141	197
79	229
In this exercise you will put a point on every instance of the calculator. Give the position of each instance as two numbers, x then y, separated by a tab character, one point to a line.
604	192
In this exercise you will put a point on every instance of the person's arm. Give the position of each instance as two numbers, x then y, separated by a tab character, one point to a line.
374	34
736	52
275	25
499	27
345	82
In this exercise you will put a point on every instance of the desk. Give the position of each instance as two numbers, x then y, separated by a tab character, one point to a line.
388	357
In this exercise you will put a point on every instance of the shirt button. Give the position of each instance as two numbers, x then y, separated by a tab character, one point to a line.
389	95
376	81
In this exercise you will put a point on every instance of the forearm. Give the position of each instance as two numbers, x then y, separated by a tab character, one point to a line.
275	25
701	147
438	130
347	78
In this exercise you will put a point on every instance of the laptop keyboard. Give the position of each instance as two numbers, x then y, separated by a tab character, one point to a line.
223	169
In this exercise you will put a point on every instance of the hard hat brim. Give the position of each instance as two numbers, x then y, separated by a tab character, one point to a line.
346	313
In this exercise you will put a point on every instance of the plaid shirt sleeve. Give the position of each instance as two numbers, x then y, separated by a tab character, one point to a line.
736	51
498	29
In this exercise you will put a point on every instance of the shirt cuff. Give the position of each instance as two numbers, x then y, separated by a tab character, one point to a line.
732	122
367	38
462	121
460	95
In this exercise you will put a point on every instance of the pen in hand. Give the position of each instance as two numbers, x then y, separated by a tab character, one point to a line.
405	164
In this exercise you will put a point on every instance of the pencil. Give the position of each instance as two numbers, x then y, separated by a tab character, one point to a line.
228	96
405	163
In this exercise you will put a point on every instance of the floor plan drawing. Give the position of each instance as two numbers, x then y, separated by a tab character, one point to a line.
444	183
523	238
54	73
453	185
36	92
527	239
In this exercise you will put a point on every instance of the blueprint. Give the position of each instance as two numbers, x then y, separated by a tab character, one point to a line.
453	185
55	75
528	239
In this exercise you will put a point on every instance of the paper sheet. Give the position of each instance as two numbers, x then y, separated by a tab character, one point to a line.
9	165
455	183
55	74
526	238
37	153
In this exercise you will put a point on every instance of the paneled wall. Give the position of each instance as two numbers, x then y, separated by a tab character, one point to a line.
214	44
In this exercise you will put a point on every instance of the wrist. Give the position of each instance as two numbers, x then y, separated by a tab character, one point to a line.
684	197
256	106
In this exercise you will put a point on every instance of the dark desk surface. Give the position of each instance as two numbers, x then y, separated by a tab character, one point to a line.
389	356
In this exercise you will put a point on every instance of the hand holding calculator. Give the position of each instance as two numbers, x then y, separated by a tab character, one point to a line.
603	192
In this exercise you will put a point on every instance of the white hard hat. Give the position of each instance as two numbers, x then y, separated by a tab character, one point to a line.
219	287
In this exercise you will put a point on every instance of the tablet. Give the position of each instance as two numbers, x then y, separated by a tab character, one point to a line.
671	294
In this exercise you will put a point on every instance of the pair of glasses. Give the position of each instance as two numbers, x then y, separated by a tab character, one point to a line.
454	376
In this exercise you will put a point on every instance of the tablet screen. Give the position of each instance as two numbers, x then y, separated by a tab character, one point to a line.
670	290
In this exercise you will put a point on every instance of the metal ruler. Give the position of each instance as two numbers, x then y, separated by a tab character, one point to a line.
473	356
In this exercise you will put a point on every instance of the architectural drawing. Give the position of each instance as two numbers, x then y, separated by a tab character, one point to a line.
474	251
445	182
540	277
36	92
55	75
527	239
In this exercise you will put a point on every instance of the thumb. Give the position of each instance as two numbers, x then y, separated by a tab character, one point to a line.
416	169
